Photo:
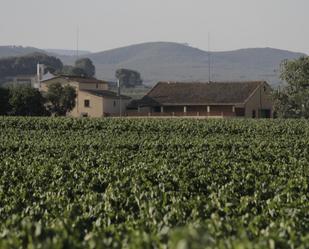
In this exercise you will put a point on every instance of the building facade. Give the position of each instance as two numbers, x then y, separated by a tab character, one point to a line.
93	97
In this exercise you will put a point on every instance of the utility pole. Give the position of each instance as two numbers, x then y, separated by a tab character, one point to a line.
77	42
119	95
209	59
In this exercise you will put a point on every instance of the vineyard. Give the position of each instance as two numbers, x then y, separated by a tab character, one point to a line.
176	184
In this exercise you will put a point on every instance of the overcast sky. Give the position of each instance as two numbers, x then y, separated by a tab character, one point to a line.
106	24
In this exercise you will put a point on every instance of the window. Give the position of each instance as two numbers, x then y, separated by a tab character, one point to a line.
157	109
115	103
87	103
97	85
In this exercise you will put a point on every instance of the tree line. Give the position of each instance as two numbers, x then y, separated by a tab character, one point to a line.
26	65
23	100
290	101
82	67
128	78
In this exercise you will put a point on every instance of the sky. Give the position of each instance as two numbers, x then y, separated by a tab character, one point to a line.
107	24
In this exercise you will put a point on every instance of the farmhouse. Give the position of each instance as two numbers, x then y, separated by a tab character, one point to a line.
225	99
93	97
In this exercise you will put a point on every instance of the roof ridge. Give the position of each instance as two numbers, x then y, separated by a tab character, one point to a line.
98	91
198	92
212	82
152	89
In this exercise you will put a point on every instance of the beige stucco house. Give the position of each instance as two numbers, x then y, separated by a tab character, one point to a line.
93	97
214	99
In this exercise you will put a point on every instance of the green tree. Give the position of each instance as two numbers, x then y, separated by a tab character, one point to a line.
61	99
13	66
4	101
86	65
68	98
26	101
73	71
128	78
292	101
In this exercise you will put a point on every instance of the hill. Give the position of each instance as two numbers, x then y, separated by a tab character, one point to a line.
67	52
172	61
163	61
13	51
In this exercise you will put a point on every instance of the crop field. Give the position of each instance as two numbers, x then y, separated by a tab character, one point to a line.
179	184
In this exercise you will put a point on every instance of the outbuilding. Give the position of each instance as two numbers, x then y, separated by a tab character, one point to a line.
215	99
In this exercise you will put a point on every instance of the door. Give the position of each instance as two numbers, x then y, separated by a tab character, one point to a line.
265	113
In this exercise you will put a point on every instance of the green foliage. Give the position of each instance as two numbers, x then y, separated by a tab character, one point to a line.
73	71
121	183
128	78
27	65
293	100
26	101
61	99
86	65
4	101
83	67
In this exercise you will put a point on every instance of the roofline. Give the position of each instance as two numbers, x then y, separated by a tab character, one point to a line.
56	77
155	86
117	97
211	82
198	104
218	82
90	93
111	97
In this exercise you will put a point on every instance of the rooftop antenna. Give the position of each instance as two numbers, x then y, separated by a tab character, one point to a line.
209	58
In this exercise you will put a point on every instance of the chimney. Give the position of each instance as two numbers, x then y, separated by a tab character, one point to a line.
40	72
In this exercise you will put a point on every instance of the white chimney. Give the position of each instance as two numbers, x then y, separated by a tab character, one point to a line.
40	72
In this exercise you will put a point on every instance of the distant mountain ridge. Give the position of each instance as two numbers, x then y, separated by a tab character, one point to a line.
10	51
67	52
167	61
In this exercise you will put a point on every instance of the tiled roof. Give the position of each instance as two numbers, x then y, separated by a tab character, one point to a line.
105	93
176	93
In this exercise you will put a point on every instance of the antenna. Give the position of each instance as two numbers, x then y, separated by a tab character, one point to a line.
209	58
77	42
